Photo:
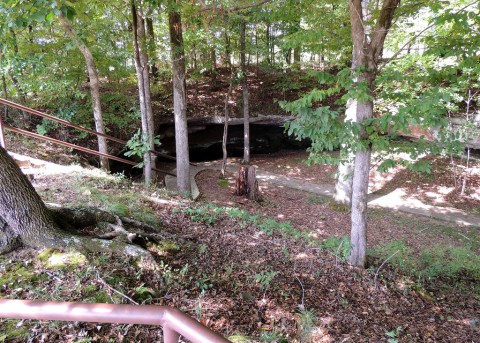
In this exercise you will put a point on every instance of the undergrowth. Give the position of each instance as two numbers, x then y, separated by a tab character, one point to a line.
446	264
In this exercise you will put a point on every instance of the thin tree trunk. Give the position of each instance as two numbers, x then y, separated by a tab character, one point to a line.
226	109
94	88
256	45
21	93
151	49
225	126
5	96
297	55
141	66
148	93
180	103
267	33
246	110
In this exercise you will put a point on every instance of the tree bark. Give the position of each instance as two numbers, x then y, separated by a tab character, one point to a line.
143	82
24	215
246	110
226	107
179	103
247	184
94	88
343	185
297	56
25	220
267	38
367	52
5	95
151	49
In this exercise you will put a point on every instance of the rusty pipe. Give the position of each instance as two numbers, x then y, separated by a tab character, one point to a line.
172	320
78	147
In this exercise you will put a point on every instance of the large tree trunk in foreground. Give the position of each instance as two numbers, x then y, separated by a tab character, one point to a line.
25	216
25	220
367	52
94	89
180	103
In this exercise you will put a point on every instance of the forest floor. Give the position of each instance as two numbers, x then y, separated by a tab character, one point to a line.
268	271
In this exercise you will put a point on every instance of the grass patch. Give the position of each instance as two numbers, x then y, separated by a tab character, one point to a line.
55	259
318	199
451	265
223	183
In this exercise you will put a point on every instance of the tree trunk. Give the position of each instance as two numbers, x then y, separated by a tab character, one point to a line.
247	184
143	82
151	49
5	96
267	34
361	174
367	52
24	219
94	89
179	103
297	55
24	215
343	185
226	107
246	110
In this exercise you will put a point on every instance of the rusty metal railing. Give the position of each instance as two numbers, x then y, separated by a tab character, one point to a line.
174	322
59	142
58	120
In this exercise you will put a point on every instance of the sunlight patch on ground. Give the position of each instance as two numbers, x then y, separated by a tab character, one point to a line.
170	202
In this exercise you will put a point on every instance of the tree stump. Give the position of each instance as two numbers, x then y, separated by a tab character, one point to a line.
247	184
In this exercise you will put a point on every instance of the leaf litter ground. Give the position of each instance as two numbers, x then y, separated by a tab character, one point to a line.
265	272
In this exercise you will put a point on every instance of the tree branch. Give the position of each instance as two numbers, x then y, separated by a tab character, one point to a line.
220	8
421	33
384	23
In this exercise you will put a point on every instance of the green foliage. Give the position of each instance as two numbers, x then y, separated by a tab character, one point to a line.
340	246
307	321
207	214
272	336
394	335
65	113
119	110
223	183
143	293
447	262
451	264
203	283
268	225
139	145
264	279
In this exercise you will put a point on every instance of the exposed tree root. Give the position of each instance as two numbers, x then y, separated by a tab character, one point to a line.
108	233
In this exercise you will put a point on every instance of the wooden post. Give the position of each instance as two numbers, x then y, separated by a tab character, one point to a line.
247	183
